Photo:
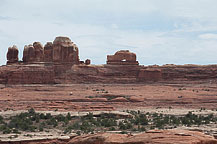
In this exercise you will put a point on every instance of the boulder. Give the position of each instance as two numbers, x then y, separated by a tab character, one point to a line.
87	61
12	54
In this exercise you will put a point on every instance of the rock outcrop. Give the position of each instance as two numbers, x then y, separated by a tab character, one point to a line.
87	61
150	137
122	57
153	137
48	52
125	74
28	53
150	75
12	55
33	53
61	56
64	50
39	51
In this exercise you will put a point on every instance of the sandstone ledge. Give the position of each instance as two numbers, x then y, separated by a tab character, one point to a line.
173	136
49	73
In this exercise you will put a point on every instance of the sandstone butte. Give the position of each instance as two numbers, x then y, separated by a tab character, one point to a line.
58	63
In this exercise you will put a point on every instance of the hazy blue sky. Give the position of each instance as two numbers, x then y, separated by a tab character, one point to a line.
158	31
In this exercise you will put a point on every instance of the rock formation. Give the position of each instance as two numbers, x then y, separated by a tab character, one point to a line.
87	61
151	137
12	55
33	53
61	59
62	50
65	51
122	57
48	52
28	53
39	51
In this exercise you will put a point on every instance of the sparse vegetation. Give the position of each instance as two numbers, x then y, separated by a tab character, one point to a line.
101	91
32	121
205	89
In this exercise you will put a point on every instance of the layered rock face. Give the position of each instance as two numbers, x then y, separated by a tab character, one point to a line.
12	55
150	75
105	74
123	57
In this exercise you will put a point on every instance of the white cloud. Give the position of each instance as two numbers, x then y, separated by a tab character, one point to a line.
208	36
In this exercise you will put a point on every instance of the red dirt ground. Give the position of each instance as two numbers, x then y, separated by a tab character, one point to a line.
88	97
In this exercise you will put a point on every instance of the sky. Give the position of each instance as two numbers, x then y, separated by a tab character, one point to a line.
158	31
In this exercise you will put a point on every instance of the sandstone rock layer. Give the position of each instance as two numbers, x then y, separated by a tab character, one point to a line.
151	137
125	74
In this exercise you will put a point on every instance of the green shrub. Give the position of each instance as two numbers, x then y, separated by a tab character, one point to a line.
78	133
112	129
7	131
31	111
68	116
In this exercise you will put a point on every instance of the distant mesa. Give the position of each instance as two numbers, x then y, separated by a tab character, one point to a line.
122	57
